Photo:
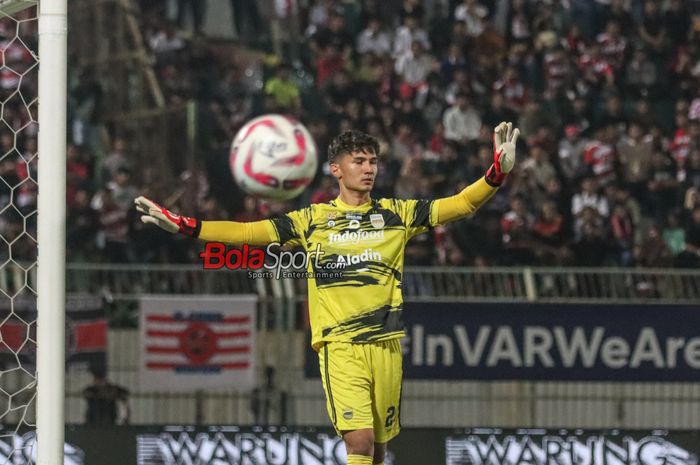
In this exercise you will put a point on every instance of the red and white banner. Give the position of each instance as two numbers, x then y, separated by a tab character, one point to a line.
193	343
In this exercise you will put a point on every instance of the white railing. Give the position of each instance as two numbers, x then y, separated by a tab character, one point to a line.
425	283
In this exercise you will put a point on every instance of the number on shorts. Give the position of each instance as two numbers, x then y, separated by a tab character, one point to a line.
390	415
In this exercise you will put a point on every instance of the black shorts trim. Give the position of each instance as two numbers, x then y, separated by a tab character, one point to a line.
328	386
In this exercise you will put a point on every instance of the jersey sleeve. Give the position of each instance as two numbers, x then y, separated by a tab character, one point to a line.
237	233
463	204
417	215
291	228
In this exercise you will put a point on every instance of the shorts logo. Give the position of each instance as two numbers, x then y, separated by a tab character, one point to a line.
347	414
376	220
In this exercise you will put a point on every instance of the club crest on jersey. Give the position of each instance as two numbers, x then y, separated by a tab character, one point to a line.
376	220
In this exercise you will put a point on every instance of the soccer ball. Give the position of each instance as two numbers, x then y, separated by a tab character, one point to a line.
273	157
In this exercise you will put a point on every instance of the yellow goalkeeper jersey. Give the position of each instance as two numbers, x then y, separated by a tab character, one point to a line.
355	284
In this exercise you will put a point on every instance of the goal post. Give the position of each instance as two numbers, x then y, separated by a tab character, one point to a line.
51	222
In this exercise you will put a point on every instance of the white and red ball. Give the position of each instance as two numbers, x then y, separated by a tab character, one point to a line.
273	157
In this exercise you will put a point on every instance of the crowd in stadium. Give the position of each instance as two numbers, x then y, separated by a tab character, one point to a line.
605	93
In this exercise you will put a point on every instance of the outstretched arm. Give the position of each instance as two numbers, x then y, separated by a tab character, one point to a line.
230	232
475	195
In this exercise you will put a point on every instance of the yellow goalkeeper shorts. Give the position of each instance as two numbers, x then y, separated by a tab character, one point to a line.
363	386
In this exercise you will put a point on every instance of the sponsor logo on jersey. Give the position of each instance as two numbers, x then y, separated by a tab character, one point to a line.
354	224
353	216
354	237
354	259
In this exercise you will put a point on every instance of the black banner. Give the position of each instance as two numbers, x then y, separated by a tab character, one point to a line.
576	447
222	445
86	332
575	342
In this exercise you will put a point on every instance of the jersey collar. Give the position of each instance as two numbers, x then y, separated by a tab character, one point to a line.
344	206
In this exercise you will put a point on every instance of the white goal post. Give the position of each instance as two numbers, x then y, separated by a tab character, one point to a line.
51	230
51	223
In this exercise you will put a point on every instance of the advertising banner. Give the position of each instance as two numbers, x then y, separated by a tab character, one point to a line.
230	445
496	341
575	447
195	343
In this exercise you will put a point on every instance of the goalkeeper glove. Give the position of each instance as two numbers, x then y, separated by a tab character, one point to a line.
504	140
165	219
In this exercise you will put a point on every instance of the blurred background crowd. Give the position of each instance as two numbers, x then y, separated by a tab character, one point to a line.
606	94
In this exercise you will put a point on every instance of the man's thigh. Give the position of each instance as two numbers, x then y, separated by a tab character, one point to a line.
387	372
347	382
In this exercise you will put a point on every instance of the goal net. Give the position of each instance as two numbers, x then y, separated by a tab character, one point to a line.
32	290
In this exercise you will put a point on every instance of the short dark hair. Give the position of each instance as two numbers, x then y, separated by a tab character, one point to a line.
352	141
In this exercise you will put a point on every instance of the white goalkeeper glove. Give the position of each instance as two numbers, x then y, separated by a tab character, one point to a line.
504	140
165	219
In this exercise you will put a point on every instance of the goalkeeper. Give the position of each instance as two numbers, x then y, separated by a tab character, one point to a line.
355	315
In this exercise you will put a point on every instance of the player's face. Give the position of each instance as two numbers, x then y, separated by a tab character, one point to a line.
356	171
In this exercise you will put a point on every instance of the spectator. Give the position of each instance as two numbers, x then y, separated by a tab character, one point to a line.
335	35
571	150
413	69
104	400
599	156
538	171
115	160
517	233
612	45
113	238
634	156
641	76
86	105
674	234
374	40
589	197
123	190
284	93
591	247
622	228
81	227
662	185
473	14
551	235
407	34
653	251
462	122
652	29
